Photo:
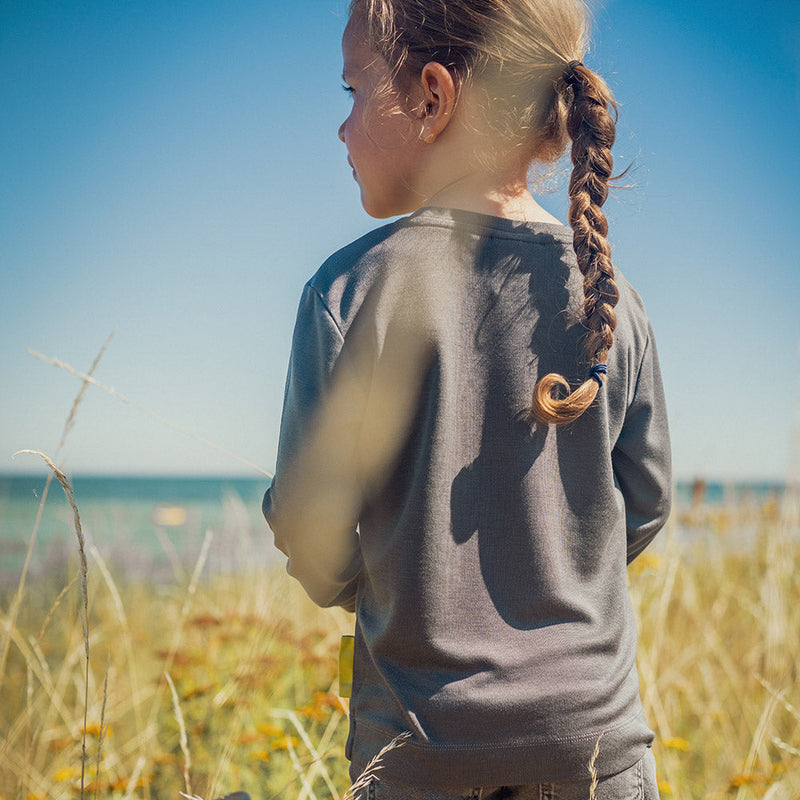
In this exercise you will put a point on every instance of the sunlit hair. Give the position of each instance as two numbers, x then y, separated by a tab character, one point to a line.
520	54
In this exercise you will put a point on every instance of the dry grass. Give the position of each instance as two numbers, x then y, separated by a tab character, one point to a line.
221	689
252	665
720	651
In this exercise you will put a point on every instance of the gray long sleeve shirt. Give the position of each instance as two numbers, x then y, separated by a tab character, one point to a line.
484	555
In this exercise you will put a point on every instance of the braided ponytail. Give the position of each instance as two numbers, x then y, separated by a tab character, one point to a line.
592	130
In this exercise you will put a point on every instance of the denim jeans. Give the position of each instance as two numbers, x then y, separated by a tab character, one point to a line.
636	783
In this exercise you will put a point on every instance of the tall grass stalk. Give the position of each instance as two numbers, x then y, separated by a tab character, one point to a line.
88	379
84	607
184	740
70	421
103	729
374	766
317	764
595	778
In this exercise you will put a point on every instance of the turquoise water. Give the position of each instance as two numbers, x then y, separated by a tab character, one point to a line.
716	493
155	526
142	525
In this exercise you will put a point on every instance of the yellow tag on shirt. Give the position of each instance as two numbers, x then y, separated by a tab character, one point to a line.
346	650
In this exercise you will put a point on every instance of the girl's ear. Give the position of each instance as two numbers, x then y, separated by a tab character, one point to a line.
438	100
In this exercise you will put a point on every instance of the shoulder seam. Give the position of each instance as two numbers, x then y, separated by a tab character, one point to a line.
327	310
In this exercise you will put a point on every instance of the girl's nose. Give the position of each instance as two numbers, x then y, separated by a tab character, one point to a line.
341	131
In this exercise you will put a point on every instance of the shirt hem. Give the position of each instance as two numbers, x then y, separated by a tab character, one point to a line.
508	763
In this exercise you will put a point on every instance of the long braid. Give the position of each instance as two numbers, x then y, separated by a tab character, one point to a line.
592	130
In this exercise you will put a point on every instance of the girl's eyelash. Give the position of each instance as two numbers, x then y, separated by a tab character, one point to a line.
348	89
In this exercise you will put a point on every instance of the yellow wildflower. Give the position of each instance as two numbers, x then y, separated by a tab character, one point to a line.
284	743
313	713
749	778
676	743
65	774
93	729
326	700
268	729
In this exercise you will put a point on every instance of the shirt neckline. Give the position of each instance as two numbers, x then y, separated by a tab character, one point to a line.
453	217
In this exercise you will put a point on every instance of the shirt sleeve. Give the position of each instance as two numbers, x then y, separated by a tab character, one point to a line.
642	457
312	513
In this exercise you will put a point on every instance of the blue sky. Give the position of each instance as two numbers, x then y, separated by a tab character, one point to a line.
171	171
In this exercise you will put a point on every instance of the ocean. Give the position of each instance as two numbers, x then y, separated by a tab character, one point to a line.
142	526
155	527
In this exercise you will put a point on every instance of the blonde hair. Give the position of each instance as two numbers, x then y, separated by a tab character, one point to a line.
525	55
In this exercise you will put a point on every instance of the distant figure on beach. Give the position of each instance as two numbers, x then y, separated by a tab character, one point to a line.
698	492
474	439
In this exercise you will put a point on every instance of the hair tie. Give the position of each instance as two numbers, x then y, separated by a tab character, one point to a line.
596	371
569	77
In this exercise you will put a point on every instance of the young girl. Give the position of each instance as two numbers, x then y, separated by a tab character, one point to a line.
474	440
